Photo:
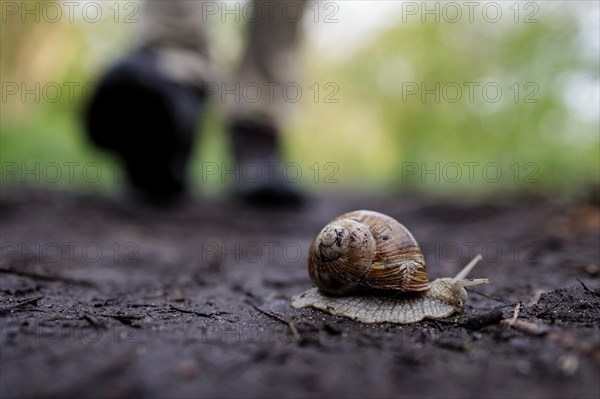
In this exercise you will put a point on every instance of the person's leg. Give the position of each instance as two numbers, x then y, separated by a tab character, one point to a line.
269	63
174	30
146	105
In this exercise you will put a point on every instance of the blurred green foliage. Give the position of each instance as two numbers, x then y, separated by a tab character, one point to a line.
458	141
416	107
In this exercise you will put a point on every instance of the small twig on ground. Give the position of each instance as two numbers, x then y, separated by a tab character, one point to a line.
484	320
93	321
22	303
274	316
515	314
523	326
141	305
550	307
124	319
583	285
198	313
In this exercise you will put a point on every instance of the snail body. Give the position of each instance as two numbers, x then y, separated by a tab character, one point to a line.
368	267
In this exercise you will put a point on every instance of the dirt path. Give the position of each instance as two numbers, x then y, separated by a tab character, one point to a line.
101	298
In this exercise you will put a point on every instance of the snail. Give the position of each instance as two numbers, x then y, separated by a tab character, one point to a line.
368	267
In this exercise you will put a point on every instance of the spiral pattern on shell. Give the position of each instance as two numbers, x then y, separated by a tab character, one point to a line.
366	251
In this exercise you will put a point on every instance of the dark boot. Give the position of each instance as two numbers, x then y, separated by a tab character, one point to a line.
149	121
261	179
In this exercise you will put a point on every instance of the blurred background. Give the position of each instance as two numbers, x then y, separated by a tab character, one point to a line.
499	99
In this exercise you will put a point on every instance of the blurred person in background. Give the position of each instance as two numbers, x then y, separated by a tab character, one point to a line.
147	104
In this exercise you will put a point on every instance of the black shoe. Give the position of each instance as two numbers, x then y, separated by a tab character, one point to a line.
149	121
261	180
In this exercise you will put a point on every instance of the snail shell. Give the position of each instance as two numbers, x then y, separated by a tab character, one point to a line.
366	251
367	266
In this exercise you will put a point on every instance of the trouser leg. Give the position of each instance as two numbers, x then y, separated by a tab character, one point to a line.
269	61
269	64
174	30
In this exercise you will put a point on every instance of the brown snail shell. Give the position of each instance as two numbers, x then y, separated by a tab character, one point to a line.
365	250
367	266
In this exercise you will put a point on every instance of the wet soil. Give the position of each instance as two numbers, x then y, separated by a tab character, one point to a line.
101	297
